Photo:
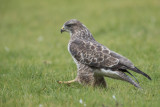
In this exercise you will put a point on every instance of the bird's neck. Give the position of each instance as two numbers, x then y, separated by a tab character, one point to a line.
82	34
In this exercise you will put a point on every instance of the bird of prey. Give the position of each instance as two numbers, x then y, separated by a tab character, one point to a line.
95	61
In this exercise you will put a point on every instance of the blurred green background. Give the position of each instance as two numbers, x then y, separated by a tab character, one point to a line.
33	53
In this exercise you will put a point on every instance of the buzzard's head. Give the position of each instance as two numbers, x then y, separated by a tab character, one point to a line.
72	26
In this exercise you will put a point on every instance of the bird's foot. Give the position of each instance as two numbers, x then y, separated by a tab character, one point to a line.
67	82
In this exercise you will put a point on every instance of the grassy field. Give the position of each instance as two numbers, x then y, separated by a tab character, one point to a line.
33	53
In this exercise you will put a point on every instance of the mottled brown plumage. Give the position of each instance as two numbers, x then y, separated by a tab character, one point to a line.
94	61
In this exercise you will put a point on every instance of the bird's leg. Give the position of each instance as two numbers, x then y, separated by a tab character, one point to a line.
67	82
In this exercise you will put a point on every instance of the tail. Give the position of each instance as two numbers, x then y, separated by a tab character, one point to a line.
125	77
140	72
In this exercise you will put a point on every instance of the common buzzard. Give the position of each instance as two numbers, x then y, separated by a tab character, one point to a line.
95	61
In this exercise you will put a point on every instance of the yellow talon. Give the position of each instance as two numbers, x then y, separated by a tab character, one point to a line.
66	82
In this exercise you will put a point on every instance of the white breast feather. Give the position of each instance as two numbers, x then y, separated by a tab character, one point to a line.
108	73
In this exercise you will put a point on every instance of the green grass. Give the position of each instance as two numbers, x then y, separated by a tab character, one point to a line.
30	35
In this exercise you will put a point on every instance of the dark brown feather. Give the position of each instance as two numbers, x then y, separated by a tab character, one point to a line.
92	54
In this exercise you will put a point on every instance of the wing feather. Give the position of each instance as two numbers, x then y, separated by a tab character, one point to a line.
125	63
122	60
96	55
92	54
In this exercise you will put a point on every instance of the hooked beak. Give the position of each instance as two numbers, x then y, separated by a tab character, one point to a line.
62	29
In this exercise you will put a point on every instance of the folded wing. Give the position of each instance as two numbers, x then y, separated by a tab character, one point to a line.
96	55
92	54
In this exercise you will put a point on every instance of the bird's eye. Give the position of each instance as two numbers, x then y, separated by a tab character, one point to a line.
69	25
